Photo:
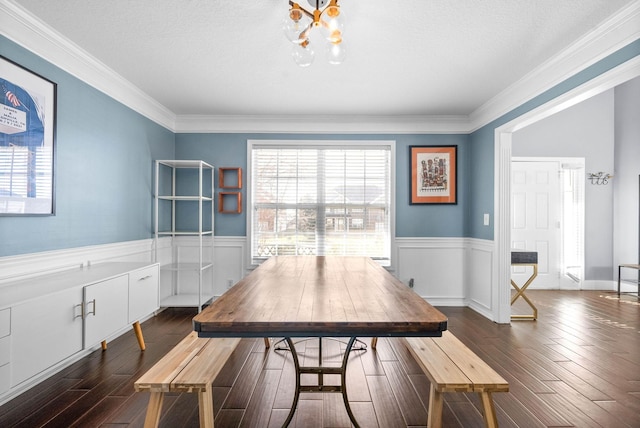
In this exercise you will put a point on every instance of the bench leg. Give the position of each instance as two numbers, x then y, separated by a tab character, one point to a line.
488	410
153	410
138	330
374	342
434	418
267	343
205	406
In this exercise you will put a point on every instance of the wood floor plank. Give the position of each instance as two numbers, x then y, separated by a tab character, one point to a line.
387	410
258	410
414	412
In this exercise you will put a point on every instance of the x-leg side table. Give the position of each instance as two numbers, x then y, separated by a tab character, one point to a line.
629	266
524	258
520	293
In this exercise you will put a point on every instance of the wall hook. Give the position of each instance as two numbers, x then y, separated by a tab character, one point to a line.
599	178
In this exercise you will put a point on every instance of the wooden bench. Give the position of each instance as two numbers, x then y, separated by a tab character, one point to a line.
191	366
452	367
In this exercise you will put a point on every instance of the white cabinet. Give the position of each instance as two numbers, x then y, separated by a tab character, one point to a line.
184	213
143	293
44	331
5	348
105	309
46	320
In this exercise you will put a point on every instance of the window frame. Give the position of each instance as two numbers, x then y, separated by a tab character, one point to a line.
391	144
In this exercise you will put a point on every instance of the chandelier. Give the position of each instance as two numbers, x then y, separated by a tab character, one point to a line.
327	18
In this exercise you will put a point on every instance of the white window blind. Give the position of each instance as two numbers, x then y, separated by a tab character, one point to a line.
320	200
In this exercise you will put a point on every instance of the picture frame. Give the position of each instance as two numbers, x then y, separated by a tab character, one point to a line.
433	174
27	141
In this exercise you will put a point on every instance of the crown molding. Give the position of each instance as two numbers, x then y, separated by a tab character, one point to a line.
615	33
329	124
35	35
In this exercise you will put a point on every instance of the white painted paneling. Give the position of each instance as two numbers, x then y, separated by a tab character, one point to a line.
5	322
479	280
536	219
436	267
229	262
5	350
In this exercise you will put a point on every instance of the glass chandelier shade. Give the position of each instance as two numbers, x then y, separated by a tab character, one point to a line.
302	54
336	53
332	24
296	25
299	22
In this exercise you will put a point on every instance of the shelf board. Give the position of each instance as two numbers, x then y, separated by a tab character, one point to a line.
185	266
185	163
184	301
185	233
186	198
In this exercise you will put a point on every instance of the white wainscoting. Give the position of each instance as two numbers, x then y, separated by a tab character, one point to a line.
445	271
481	288
448	271
436	266
33	264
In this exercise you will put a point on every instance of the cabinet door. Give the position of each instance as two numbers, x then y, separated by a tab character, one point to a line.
143	293
106	309
44	332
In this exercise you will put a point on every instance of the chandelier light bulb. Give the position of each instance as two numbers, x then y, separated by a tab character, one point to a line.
303	54
296	25
332	23
336	53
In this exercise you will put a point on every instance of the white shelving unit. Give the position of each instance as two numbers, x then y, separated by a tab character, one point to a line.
184	212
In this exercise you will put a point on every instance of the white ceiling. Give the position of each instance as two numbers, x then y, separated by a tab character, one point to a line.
405	57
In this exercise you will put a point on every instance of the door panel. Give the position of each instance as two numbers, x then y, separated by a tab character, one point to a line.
535	219
106	309
44	332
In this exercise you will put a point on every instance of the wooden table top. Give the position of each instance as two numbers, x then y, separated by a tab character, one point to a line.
301	296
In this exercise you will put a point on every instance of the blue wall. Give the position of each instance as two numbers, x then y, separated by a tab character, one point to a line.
482	142
103	169
230	150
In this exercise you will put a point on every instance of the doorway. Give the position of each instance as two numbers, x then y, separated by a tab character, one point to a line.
547	216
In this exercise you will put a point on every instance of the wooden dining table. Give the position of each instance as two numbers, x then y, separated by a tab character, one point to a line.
320	296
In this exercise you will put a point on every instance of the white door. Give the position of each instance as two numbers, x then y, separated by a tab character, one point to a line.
535	219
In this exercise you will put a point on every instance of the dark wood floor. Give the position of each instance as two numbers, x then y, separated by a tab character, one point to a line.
578	365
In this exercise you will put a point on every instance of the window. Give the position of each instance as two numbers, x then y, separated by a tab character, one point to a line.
321	198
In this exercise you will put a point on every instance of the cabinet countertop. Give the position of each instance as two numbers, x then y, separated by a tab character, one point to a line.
25	289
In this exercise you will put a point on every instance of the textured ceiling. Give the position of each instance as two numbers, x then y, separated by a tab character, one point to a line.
404	57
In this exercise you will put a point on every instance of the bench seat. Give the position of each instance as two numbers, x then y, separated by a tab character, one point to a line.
191	366
452	367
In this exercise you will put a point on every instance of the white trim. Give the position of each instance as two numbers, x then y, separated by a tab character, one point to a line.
502	171
33	264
